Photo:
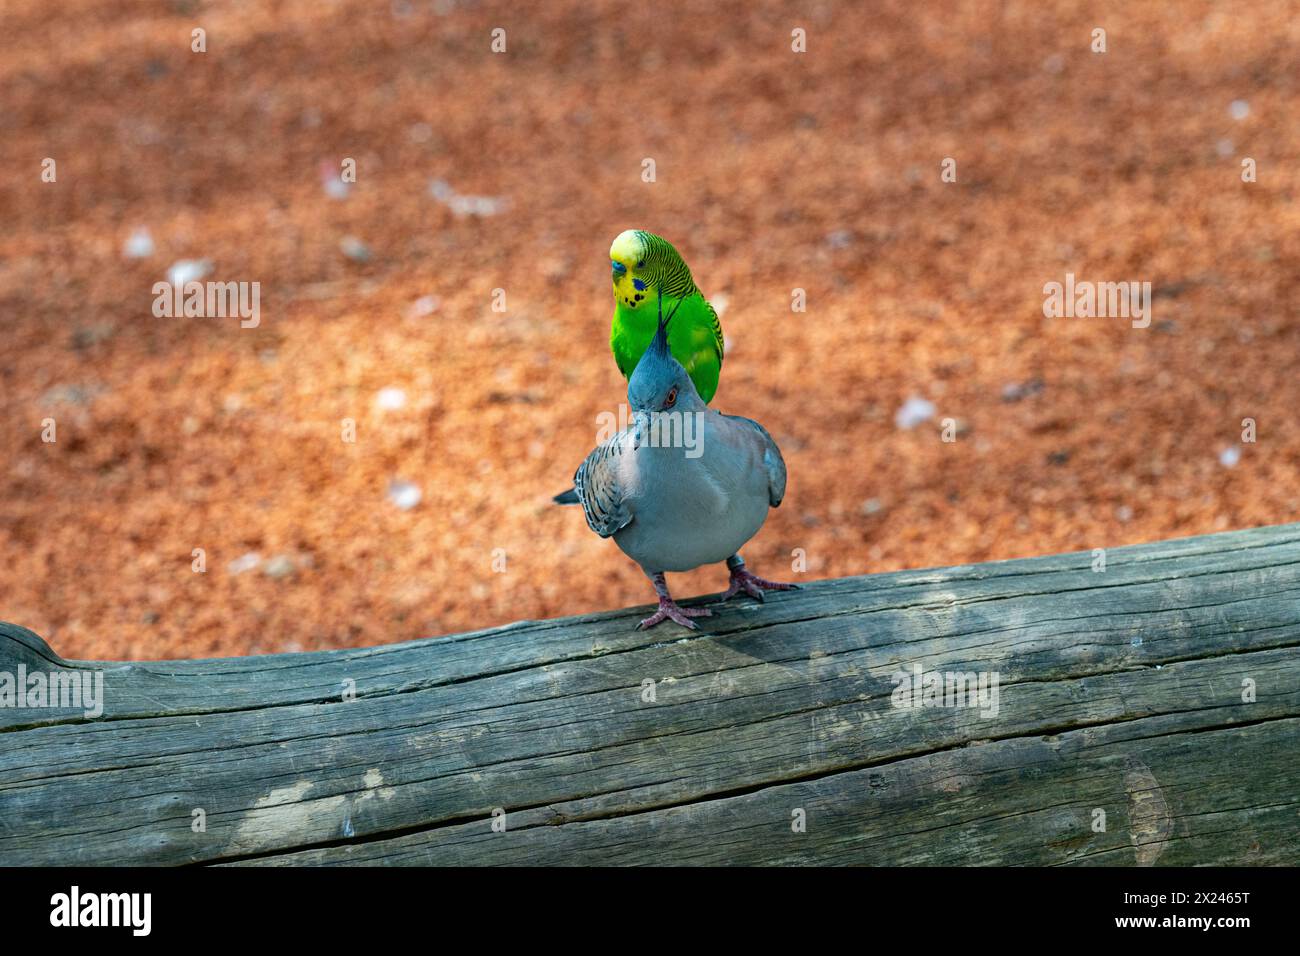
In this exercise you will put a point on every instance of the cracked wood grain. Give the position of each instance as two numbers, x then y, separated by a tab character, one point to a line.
1123	703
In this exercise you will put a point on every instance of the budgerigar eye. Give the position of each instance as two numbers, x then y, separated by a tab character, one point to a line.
641	264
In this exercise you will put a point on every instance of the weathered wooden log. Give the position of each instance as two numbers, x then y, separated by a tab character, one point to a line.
1147	710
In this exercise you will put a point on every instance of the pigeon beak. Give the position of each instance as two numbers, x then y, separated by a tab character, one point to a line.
640	425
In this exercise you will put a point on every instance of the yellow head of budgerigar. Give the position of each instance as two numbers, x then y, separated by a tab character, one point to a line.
627	258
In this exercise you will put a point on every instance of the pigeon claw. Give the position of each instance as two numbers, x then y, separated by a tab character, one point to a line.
670	611
753	585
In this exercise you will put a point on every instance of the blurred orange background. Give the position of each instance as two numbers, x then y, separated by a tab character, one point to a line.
775	171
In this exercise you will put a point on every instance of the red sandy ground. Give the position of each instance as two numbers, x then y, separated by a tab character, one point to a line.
774	171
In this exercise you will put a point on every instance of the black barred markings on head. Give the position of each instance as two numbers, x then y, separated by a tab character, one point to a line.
664	268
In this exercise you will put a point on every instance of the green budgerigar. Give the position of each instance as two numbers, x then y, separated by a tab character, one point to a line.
645	265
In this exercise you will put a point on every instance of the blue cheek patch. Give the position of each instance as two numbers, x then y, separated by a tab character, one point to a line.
640	286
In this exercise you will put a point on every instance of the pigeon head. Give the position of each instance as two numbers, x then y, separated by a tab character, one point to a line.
660	383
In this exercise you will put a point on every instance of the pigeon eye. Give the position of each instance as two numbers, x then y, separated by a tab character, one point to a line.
671	400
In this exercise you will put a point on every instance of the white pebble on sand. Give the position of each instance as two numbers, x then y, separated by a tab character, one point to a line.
425	305
914	412
354	249
404	494
188	270
244	563
280	566
139	245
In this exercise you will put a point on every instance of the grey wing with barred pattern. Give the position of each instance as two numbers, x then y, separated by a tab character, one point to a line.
597	487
